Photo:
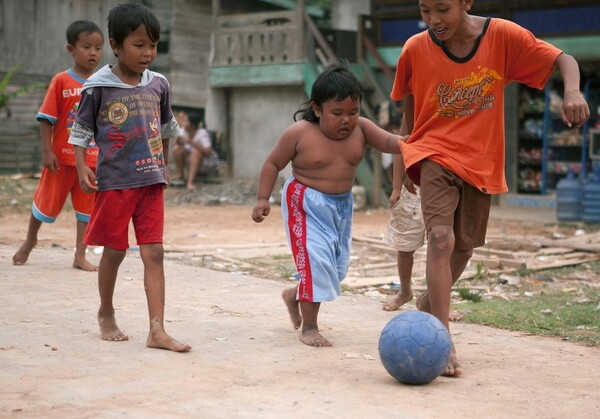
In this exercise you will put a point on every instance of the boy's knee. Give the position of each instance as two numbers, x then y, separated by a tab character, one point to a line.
441	238
115	256
152	252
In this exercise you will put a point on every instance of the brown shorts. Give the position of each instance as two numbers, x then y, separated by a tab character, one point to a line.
449	201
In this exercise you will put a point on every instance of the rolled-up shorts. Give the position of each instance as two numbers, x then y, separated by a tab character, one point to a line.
448	200
406	229
319	231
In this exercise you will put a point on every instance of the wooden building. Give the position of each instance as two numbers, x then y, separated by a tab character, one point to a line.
246	65
32	35
192	49
30	39
262	70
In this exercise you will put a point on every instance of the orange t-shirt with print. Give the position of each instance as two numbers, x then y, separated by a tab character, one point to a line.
60	108
459	102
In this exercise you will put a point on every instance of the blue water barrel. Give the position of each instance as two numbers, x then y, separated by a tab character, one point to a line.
569	196
591	199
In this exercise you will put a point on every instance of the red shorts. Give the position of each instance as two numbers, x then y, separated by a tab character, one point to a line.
52	191
447	200
113	210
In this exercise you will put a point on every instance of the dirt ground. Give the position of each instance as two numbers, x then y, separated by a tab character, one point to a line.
246	359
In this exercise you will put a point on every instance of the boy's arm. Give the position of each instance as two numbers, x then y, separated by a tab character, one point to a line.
574	110
406	128
280	156
266	183
165	146
399	177
49	160
87	177
167	131
379	138
81	137
398	167
397	174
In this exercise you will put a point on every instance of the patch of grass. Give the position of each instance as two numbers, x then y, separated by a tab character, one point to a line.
286	271
274	266
480	274
469	295
554	313
524	272
283	256
347	288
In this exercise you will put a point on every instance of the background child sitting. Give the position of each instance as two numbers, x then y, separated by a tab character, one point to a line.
195	147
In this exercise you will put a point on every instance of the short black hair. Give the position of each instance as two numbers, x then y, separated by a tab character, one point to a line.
336	82
81	26
127	17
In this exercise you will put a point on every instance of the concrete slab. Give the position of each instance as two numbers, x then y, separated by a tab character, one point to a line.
246	360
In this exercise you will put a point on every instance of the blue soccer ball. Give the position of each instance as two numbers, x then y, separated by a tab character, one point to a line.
415	347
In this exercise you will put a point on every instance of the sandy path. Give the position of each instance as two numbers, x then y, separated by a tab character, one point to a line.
246	360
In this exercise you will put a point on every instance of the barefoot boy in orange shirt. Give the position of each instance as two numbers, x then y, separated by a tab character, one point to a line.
454	75
56	116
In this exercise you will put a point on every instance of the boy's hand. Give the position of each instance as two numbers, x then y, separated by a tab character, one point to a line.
50	161
87	180
394	197
574	110
261	210
410	185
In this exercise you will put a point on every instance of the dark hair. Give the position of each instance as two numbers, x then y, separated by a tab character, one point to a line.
80	26
127	17
336	82
196	120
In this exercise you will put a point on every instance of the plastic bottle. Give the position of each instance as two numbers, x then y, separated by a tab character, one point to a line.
591	199
569	196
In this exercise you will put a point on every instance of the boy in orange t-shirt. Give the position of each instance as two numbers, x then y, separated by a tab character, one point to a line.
453	77
56	116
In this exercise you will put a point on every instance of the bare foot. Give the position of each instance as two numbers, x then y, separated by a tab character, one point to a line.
109	329
191	188
289	297
398	301
455	316
159	339
422	302
22	254
453	369
80	262
312	337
